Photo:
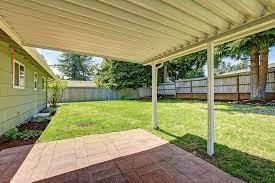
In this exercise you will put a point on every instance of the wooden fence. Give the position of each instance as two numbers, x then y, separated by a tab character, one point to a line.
167	89
231	87
236	87
80	94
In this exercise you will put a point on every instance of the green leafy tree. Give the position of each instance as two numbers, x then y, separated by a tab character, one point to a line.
74	66
93	70
255	48
117	74
189	66
228	67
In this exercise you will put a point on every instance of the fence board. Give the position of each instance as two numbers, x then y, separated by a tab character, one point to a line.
79	94
197	86
222	84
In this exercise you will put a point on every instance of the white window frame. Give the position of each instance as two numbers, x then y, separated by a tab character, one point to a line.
20	64
35	80
43	83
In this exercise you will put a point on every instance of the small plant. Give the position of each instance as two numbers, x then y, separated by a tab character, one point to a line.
41	119
51	110
11	134
56	88
27	134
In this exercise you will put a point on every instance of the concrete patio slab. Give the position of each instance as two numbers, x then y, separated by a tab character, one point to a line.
127	156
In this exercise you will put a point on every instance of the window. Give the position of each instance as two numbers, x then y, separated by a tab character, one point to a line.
43	83
35	79
18	75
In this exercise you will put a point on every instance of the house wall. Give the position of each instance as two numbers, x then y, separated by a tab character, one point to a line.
18	105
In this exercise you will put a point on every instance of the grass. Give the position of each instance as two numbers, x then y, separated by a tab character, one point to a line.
244	134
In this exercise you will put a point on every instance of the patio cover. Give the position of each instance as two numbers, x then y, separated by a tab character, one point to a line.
141	31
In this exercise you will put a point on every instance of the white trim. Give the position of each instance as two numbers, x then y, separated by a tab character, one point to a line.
13	82
35	80
44	80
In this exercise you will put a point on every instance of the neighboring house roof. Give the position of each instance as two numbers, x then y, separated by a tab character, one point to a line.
271	67
81	84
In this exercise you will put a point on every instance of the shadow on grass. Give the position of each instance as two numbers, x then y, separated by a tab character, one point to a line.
246	108
239	164
229	107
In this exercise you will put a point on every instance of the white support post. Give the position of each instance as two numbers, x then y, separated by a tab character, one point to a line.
154	96
210	98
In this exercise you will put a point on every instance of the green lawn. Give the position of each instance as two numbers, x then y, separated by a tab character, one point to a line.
244	134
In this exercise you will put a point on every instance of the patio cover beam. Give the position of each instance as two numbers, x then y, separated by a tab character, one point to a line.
247	29
139	31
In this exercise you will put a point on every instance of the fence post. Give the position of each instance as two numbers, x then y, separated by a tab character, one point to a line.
238	88
176	89
191	89
163	86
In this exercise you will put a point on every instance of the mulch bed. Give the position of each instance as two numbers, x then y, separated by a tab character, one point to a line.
19	142
30	125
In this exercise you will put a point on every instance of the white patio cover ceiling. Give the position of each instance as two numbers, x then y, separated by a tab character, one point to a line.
141	31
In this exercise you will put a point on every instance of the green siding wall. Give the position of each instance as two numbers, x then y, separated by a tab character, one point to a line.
18	105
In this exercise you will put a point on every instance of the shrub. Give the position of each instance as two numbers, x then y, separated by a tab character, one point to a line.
50	110
41	119
11	134
30	134
56	88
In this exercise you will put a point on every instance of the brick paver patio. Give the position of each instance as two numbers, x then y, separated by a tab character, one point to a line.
127	156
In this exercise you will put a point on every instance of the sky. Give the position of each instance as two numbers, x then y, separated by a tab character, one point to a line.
52	57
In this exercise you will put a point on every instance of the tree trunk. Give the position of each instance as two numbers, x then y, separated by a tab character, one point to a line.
165	74
263	71
254	73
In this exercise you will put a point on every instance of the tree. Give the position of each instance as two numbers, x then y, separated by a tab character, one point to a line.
228	67
255	48
117	74
75	67
165	73
56	88
93	70
189	66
